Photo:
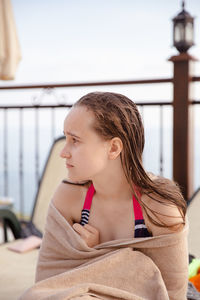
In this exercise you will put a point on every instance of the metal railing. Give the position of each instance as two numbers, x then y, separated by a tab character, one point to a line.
37	108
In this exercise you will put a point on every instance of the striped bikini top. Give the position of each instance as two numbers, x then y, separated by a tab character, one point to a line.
140	229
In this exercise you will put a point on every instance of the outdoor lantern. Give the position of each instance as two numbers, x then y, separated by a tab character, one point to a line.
183	30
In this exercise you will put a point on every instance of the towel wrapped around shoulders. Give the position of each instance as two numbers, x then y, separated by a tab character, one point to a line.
153	268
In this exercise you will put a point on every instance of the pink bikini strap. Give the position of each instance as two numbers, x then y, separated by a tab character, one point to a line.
88	198
137	208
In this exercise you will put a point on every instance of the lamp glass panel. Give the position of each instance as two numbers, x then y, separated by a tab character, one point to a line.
189	32
179	32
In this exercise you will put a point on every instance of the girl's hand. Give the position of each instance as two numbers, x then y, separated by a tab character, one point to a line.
88	233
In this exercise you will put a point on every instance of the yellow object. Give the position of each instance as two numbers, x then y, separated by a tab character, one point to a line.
194	266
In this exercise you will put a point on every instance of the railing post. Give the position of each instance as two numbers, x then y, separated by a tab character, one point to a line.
183	145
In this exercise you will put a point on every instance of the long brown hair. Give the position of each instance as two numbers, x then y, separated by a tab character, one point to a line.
118	116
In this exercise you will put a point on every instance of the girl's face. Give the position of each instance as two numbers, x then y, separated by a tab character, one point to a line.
85	152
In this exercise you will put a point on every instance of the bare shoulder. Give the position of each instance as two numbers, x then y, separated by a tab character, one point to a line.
68	199
161	210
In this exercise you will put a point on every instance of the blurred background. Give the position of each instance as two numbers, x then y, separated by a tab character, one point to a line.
71	42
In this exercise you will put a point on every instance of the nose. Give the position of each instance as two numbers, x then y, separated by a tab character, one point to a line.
64	153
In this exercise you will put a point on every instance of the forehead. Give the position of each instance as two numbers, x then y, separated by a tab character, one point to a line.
79	120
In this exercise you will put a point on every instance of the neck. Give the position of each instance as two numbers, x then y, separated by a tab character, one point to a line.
112	185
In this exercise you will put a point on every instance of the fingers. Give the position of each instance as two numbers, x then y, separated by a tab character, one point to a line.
84	232
79	228
88	233
90	228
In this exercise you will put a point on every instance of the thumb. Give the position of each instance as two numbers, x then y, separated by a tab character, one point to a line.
76	226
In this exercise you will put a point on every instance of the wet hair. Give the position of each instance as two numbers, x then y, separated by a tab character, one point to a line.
118	116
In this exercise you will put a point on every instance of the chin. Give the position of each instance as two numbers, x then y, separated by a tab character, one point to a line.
78	179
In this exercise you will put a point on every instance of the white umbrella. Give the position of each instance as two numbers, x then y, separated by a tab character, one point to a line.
9	45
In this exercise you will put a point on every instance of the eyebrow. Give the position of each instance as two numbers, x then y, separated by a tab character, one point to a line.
72	134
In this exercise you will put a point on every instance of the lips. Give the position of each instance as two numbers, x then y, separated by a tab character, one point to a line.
68	166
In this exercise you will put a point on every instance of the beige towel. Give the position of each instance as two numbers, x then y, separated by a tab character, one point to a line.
69	269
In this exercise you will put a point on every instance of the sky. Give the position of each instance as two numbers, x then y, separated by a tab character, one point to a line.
98	40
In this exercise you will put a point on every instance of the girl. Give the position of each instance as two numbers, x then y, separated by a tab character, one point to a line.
104	145
109	195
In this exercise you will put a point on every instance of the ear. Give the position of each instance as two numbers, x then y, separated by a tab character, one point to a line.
116	147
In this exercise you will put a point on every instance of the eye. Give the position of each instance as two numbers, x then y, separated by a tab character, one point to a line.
74	140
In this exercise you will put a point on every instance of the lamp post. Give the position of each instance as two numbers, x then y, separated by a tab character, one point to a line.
183	161
183	30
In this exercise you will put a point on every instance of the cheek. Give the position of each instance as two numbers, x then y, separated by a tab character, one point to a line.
98	157
91	155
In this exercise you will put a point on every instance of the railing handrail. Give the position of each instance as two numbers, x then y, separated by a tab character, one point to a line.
196	78
140	103
98	83
79	84
21	106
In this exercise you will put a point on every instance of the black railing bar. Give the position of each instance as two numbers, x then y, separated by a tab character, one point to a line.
34	106
21	162
154	103
37	155
161	140
195	102
70	105
196	78
52	123
79	84
5	152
